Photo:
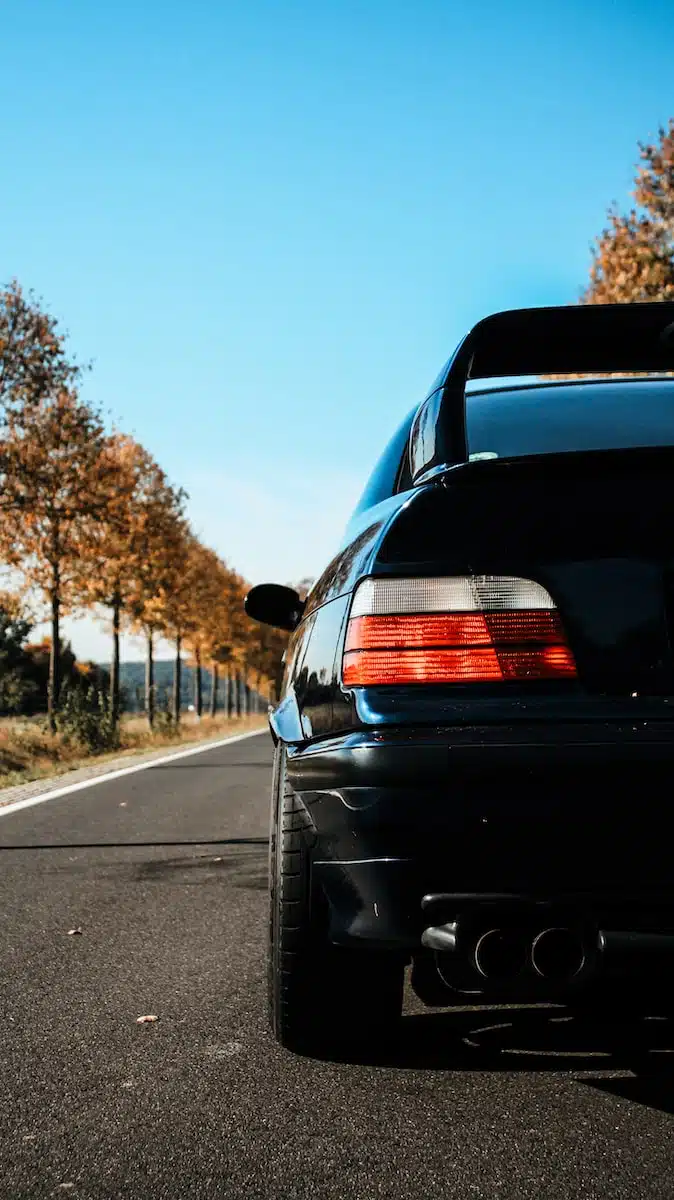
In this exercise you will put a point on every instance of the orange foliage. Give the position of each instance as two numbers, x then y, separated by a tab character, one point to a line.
90	519
33	362
633	258
56	488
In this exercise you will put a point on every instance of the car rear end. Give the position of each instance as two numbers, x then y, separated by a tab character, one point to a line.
496	805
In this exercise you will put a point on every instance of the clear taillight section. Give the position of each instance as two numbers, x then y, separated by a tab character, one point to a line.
464	629
459	593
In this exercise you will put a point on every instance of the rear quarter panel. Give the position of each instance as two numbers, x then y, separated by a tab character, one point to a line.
312	702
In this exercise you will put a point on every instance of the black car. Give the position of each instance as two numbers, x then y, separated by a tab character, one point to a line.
475	736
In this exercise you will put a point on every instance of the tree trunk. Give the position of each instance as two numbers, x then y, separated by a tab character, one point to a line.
214	689
177	681
54	687
230	694
114	672
198	689
149	681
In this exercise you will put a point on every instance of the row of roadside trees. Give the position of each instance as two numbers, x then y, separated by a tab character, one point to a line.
90	521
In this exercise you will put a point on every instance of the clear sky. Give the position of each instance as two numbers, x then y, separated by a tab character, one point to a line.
268	223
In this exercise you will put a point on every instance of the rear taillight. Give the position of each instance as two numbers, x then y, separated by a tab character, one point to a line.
467	629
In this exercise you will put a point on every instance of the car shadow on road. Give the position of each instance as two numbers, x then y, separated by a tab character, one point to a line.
540	1040
241	868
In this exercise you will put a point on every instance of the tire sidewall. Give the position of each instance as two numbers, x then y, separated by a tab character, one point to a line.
318	993
273	965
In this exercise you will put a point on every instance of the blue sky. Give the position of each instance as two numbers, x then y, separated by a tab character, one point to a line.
267	224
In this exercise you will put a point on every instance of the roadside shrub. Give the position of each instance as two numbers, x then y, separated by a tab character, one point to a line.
85	717
17	694
164	724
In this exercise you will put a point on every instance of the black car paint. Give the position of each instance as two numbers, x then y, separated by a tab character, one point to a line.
417	789
396	816
607	562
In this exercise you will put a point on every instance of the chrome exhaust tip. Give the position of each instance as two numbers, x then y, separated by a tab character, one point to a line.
441	938
500	954
557	954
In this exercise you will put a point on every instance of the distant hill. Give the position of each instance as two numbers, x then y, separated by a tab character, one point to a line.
132	681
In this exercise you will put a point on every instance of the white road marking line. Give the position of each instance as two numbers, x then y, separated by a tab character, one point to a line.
17	805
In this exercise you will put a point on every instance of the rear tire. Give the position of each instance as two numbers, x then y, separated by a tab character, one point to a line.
322	997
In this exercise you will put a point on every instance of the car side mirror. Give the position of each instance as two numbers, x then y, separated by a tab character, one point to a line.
274	605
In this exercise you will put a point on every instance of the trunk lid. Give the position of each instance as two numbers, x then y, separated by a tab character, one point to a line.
595	528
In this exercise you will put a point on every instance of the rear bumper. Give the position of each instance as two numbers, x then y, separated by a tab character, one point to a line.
577	815
382	757
380	903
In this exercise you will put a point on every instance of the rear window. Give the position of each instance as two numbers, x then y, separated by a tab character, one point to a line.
581	416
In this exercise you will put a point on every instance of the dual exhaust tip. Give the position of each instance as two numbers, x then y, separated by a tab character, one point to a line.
556	954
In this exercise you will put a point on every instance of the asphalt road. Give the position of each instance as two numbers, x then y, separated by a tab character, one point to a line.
498	1104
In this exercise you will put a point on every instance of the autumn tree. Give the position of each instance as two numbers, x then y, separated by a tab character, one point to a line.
56	489
129	568
160	537
216	641
174	601
218	635
34	364
633	258
105	578
239	630
239	665
265	655
205	604
267	645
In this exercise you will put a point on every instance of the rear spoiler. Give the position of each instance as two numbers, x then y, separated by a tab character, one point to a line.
569	340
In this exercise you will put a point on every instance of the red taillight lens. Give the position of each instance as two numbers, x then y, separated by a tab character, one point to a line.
370	667
492	642
545	662
453	629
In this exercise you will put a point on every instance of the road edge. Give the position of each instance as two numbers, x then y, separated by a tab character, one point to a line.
81	784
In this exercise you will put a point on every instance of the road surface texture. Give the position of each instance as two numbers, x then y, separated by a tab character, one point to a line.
496	1103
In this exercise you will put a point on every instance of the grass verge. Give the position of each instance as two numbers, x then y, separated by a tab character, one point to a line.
29	751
